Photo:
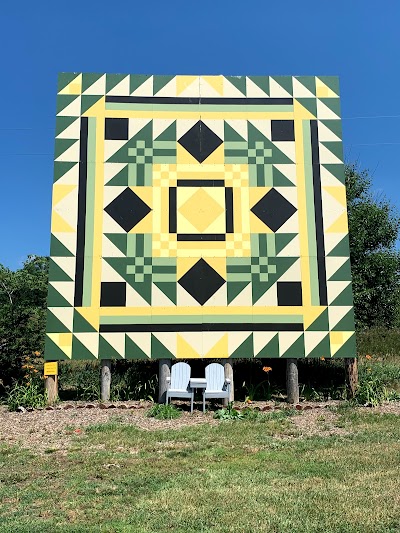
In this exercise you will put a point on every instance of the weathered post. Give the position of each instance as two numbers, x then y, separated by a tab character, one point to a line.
51	381
164	372
292	381
105	380
229	375
351	369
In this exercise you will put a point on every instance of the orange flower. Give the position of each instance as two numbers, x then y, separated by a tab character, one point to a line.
368	357
267	369
322	358
36	353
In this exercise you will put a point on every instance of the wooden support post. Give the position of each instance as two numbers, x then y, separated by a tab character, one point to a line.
52	389
351	369
292	381
164	372
105	380
229	375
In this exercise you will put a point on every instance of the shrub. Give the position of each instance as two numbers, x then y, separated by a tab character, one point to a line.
228	413
164	412
26	395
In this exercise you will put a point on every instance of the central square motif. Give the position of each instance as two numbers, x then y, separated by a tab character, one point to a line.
200	212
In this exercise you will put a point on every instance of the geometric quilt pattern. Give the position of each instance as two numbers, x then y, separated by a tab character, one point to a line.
198	217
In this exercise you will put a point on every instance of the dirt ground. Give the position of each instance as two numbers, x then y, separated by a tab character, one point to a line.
41	430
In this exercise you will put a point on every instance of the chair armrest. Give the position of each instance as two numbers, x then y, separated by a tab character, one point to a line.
227	381
168	379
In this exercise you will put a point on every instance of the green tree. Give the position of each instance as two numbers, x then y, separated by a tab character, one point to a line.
375	262
23	295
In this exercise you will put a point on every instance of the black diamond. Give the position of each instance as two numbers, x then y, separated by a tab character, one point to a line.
201	281
128	209
273	209
200	141
116	128
289	293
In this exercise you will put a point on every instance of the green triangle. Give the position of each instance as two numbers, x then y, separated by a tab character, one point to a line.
296	350
106	351
336	147
245	350
310	104
262	82
239	82
159	351
64	79
121	178
52	352
349	349
234	288
54	325
271	349
57	249
255	135
122	155
169	289
56	273
132	350
260	287
343	274
344	298
341	249
321	323
332	103
332	82
308	82
323	348
136	80
282	240
347	322
81	325
159	82
88	101
143	288
120	240
62	145
80	352
62	123
54	298
231	135
63	100
88	79
334	125
169	134
337	170
285	82
279	179
112	81
61	168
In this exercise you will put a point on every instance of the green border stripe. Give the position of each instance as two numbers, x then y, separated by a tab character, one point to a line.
196	319
89	222
310	208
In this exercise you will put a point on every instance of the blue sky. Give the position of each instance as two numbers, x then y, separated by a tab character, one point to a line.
357	40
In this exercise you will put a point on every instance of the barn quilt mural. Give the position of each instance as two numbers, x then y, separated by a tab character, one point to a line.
198	217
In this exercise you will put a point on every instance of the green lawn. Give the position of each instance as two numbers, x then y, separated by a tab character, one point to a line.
242	476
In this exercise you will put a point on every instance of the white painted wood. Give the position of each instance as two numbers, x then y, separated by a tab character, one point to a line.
179	386
217	385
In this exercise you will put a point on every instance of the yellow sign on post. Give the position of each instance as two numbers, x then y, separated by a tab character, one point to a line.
51	369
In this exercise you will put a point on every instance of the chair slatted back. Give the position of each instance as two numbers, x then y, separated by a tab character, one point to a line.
180	375
215	376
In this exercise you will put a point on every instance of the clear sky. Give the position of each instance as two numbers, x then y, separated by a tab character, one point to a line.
355	39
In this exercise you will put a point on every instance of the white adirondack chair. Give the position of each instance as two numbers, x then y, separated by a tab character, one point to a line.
178	383
217	385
